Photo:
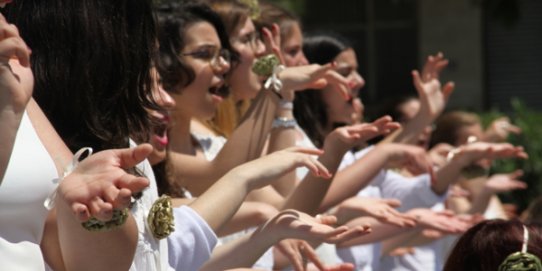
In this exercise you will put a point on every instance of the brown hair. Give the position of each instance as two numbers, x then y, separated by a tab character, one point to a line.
233	14
449	124
271	13
485	246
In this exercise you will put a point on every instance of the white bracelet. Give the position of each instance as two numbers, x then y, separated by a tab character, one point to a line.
273	80
284	123
285	104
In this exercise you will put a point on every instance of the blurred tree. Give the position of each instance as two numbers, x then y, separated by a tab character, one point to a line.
529	121
296	6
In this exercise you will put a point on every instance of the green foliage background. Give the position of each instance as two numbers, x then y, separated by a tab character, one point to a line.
530	121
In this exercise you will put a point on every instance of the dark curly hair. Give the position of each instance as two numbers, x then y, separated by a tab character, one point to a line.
173	20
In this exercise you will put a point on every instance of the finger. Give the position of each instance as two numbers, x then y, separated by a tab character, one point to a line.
123	199
447	90
348	234
310	254
393	202
101	210
327	219
513	129
310	151
340	83
132	183
268	40
128	158
516	174
418	82
81	212
15	46
296	259
317	168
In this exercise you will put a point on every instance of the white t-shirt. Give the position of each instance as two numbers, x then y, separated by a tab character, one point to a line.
413	192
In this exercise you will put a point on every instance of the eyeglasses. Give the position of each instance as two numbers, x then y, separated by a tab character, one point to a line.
252	39
217	58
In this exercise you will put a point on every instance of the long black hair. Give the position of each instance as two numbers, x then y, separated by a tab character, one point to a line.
309	107
91	61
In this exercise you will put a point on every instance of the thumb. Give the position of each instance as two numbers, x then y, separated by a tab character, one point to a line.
130	157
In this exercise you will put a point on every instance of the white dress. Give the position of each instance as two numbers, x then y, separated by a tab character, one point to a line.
151	254
28	181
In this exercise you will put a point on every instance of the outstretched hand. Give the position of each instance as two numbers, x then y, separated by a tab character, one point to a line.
347	137
433	66
100	183
381	209
473	152
403	156
16	80
263	171
433	96
498	183
313	76
291	224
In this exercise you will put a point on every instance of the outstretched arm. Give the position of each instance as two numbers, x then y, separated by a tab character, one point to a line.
433	98
95	188
247	141
287	224
336	145
228	193
16	85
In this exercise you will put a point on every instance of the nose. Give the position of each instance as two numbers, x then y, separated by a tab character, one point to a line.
357	81
259	49
222	67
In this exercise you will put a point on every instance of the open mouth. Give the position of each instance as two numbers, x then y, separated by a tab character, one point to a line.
160	129
222	91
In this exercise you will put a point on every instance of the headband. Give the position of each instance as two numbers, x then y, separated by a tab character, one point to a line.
522	260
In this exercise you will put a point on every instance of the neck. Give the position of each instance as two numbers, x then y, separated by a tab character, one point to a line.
179	135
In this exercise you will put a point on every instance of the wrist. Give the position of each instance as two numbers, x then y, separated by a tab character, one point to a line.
284	123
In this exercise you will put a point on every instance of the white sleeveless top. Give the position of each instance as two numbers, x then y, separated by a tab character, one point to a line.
29	179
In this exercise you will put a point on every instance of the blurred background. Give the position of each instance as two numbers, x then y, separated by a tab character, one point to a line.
494	48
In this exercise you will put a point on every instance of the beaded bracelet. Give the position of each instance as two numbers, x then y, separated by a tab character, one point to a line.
283	123
285	104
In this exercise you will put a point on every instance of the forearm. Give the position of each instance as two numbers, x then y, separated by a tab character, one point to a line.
245	144
281	138
10	119
227	194
308	195
413	238
349	181
446	176
379	231
247	141
481	202
250	214
267	195
243	252
85	250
